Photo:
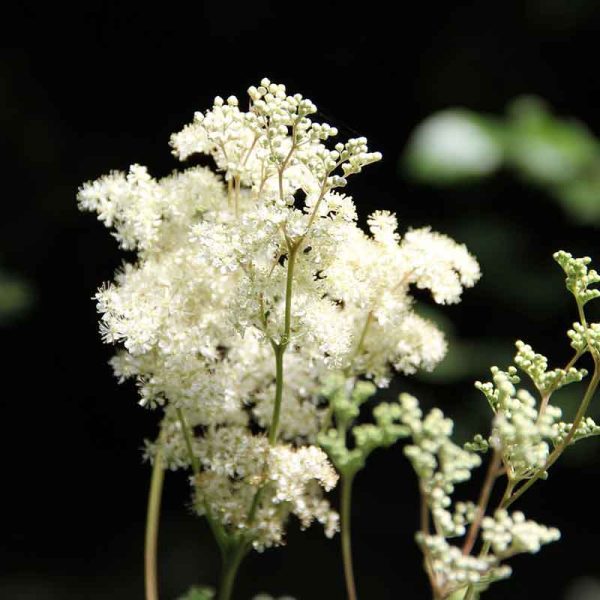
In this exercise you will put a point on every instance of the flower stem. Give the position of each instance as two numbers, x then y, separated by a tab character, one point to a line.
152	520
425	525
232	554
216	527
187	436
470	594
291	262
280	348
484	499
273	429
346	502
546	397
231	564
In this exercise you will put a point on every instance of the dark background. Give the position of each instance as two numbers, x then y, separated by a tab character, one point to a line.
88	89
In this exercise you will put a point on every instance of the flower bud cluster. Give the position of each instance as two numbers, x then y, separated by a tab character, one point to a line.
439	463
519	431
522	436
511	534
586	428
579	277
585	337
345	401
536	366
453	570
519	434
478	444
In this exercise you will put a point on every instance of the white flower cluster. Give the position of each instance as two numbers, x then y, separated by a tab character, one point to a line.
511	534
238	463
267	258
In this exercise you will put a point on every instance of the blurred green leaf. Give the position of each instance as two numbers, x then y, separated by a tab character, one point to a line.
561	156
581	197
545	149
198	593
16	297
453	146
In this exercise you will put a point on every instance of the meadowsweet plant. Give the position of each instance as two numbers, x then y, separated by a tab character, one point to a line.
257	319
465	545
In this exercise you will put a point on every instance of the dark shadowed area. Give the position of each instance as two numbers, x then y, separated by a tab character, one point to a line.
89	89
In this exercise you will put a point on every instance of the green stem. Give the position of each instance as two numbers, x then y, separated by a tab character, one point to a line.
581	313
216	527
360	344
232	555
546	397
152	521
273	429
187	436
363	334
236	196
470	595
279	351
280	348
346	502
291	262
231	564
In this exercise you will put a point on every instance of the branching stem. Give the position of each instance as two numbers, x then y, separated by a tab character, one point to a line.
231	565
484	499
510	496
152	523
345	516
280	347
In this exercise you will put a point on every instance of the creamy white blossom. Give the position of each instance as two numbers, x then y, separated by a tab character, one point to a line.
263	259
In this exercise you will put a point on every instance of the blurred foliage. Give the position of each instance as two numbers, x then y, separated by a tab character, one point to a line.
198	593
560	156
453	146
459	149
16	297
583	588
